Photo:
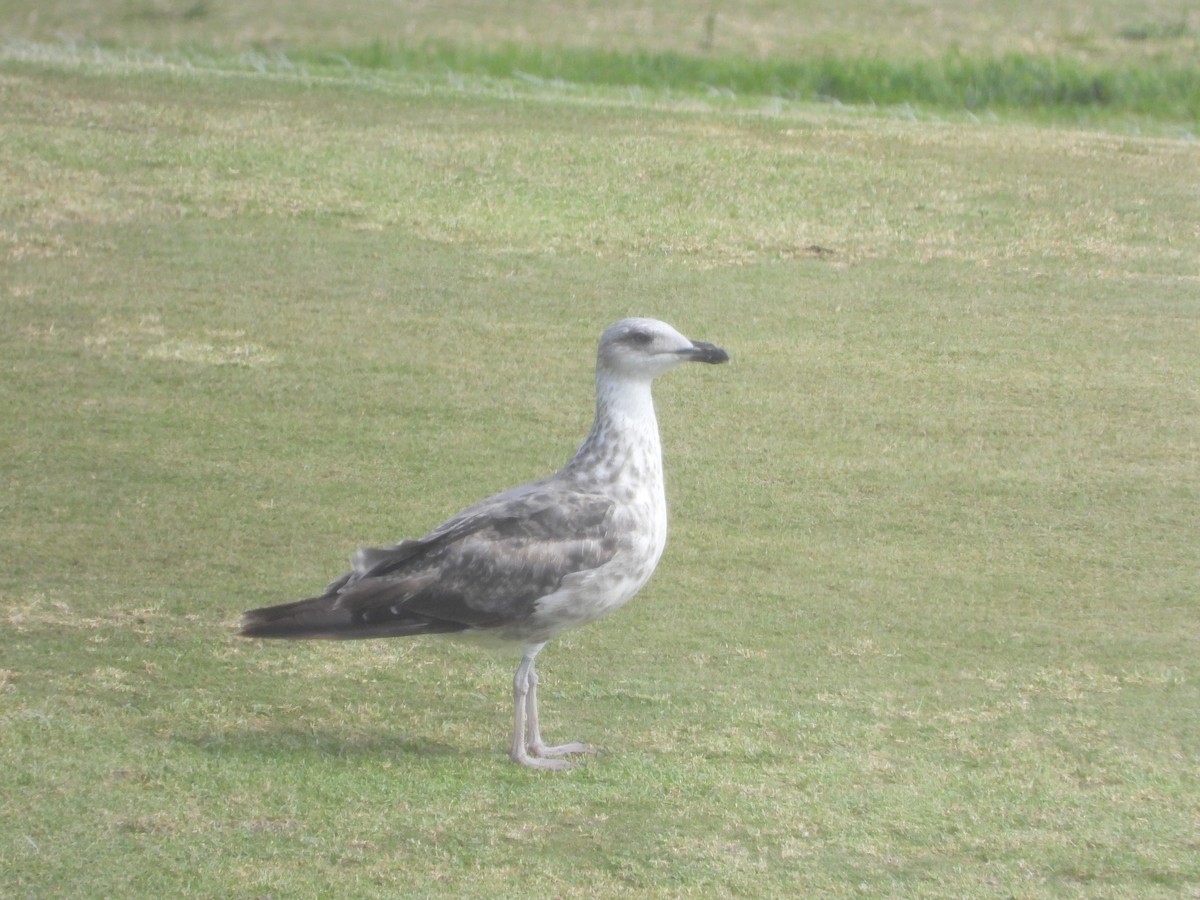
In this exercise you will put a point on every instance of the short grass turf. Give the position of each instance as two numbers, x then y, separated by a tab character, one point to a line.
927	623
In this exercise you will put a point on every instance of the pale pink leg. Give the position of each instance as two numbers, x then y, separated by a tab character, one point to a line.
528	749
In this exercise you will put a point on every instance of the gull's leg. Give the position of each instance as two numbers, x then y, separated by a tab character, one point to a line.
536	745
519	751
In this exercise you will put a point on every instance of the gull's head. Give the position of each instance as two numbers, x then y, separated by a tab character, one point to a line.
645	348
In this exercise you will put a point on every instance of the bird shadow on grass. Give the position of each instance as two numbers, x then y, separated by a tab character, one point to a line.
284	740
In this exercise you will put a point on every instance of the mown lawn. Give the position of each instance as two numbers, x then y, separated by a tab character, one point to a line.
927	624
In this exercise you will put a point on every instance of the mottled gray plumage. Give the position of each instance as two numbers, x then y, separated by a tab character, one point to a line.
530	562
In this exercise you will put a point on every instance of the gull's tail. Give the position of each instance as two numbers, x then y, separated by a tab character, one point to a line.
329	617
316	617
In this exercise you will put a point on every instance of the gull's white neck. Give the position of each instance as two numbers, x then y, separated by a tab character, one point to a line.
623	445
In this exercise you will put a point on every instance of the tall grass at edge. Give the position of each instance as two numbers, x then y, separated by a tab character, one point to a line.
955	80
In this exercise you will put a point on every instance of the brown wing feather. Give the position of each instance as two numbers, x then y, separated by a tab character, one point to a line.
484	568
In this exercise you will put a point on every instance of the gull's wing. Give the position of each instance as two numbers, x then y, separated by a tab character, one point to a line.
483	569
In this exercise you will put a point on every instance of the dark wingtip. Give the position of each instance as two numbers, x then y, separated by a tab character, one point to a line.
309	618
256	625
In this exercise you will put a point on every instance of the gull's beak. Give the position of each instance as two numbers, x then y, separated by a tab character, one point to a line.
702	351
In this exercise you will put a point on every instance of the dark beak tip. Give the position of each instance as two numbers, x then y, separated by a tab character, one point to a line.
708	353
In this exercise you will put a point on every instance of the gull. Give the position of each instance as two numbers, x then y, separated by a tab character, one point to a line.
527	564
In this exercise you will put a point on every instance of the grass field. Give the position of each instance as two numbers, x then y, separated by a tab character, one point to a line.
928	621
1114	30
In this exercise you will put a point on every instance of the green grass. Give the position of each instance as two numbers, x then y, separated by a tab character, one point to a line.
1048	86
927	622
1153	31
1115	63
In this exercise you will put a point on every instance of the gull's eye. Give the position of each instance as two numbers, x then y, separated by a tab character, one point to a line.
639	338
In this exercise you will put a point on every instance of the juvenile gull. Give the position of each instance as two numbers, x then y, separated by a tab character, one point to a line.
531	562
